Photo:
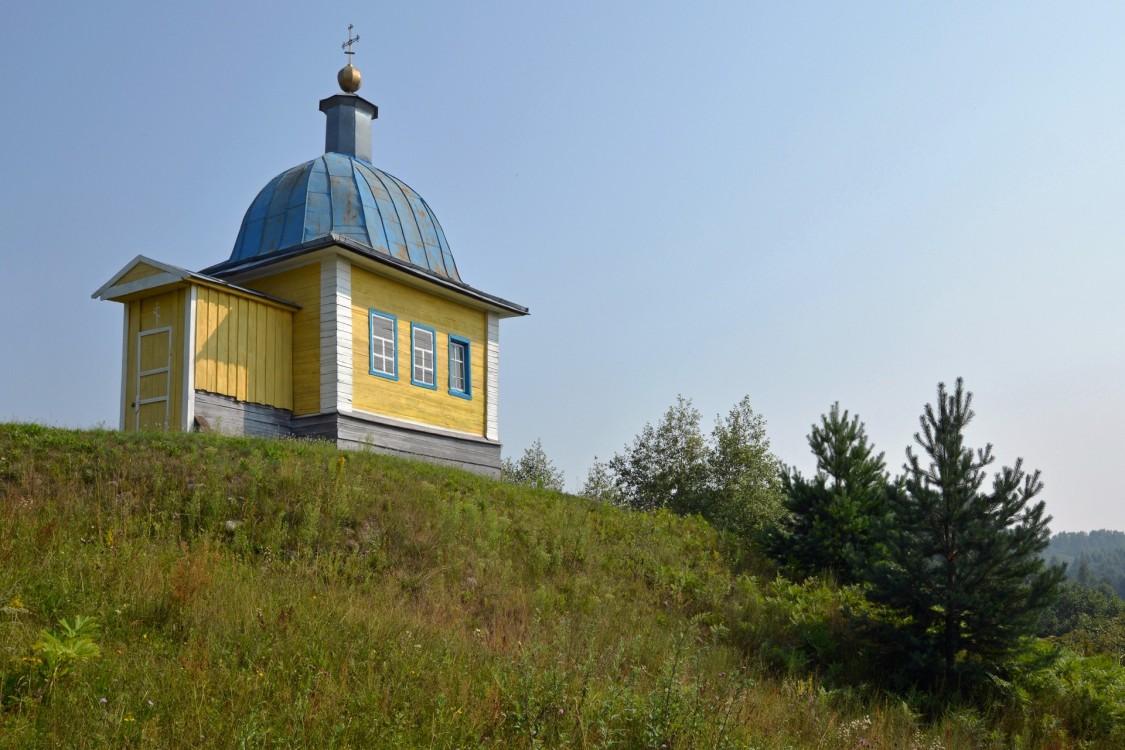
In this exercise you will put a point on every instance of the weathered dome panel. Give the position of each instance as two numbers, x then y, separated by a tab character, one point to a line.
344	195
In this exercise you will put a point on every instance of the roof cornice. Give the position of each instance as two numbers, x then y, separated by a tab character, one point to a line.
237	268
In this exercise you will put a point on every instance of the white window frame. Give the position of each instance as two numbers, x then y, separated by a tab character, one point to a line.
380	343
418	354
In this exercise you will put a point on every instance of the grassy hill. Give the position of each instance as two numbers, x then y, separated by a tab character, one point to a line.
260	593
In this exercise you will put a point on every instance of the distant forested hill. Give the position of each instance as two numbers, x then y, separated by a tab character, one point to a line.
1092	557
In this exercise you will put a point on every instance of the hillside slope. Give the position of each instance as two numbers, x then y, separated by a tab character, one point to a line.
1092	558
258	593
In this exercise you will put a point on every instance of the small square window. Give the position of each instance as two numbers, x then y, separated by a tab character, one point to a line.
460	372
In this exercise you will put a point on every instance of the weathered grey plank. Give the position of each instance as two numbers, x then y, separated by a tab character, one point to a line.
231	417
351	432
482	457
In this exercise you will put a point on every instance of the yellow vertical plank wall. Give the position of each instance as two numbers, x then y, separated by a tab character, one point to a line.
234	357
244	362
400	398
301	286
149	314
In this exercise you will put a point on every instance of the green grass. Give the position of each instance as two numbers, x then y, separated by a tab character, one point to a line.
258	593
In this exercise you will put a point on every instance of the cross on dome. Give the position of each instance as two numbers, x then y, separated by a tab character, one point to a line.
347	46
349	77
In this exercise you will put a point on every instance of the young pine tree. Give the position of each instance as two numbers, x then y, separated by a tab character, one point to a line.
963	568
834	519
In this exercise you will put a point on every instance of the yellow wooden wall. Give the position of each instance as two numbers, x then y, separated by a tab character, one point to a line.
301	286
243	348
151	313
139	271
400	398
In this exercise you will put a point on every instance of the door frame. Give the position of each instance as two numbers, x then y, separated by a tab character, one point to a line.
167	369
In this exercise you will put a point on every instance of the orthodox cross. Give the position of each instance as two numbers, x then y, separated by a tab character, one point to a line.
347	46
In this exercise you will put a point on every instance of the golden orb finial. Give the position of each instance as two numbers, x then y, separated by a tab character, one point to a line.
349	79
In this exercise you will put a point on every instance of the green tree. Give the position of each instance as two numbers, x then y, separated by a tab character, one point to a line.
963	567
600	484
1082	575
666	466
1078	606
533	469
834	519
744	478
731	480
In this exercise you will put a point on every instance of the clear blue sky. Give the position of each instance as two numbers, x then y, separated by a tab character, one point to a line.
803	202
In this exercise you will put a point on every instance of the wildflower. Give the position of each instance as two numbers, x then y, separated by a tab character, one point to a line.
129	717
102	701
150	703
14	606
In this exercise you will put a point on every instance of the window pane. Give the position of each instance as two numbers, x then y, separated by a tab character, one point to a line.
382	344
423	356
458	369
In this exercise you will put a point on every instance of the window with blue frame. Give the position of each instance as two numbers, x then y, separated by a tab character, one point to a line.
423	364
384	333
460	371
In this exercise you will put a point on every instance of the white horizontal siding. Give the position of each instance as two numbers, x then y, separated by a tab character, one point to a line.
343	335
492	379
335	335
188	417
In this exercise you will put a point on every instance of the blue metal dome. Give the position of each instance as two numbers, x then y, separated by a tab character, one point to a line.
344	195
